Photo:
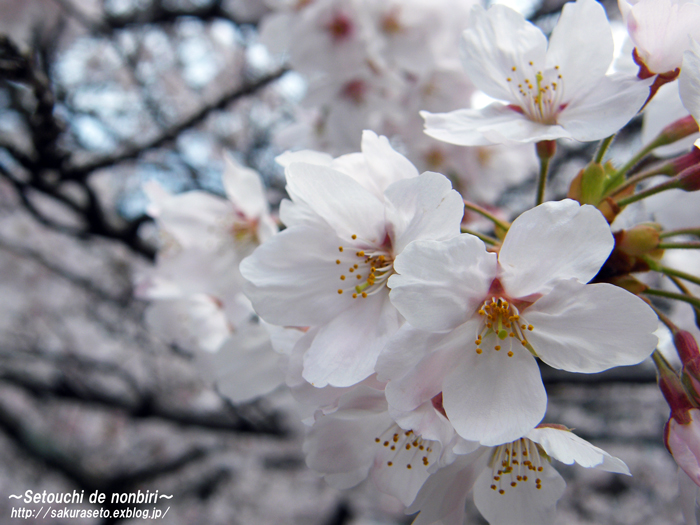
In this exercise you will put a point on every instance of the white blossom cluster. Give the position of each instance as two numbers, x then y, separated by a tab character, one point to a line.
411	342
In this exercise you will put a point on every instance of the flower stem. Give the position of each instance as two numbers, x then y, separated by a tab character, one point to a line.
481	211
668	185
690	245
485	238
603	148
682	231
545	151
639	177
639	156
672	295
677	273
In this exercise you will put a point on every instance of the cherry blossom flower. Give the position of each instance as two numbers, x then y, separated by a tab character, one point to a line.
513	483
360	439
329	268
491	314
550	91
661	31
196	289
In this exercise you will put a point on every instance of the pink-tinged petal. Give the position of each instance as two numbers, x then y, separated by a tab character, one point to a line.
496	41
661	31
689	80
581	45
245	189
522	504
684	443
343	203
245	367
494	124
493	398
425	380
591	328
193	218
310	399
443	496
605	109
294	279
298	214
398	479
423	207
405	350
343	449
568	448
345	350
688	497
440	284
555	240
426	422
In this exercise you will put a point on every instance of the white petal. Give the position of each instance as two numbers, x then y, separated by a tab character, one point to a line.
521	504
343	448
343	203
495	41
590	328
492	398
404	350
345	350
194	218
245	189
494	124
245	367
307	156
385	165
442	498
661	31
423	207
555	240
568	448
425	380
581	45
298	213
689	80
294	278
441	283
606	109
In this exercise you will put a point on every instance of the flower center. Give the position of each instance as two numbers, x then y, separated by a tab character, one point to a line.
242	231
355	91
340	27
403	447
502	321
539	94
516	462
364	270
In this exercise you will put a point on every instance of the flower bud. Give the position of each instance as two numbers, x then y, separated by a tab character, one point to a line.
689	178
678	130
673	390
609	208
592	184
639	240
687	349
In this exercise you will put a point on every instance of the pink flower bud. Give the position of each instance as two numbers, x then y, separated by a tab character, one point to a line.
678	130
689	178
